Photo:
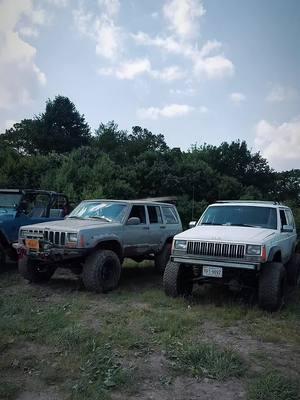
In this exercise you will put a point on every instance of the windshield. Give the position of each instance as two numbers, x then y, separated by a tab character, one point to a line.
10	200
107	211
249	216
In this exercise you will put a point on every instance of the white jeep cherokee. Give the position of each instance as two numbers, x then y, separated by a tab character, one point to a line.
240	244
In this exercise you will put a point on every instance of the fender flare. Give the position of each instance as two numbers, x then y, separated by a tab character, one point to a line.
272	252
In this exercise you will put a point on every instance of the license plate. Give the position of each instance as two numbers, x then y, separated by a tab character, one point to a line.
32	244
215	272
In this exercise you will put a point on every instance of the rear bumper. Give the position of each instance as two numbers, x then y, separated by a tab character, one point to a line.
215	263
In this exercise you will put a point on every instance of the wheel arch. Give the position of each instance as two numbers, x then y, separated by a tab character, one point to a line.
275	254
110	244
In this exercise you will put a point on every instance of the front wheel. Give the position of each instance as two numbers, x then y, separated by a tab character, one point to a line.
101	271
35	272
178	279
272	283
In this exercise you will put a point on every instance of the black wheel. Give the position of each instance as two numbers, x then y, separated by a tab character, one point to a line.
272	283
35	272
293	270
101	271
162	258
177	279
2	258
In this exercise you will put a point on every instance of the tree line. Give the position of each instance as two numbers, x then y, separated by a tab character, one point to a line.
56	150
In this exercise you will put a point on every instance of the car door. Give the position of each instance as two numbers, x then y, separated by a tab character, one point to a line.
136	239
157	226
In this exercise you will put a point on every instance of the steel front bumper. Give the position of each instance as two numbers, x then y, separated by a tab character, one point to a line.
215	263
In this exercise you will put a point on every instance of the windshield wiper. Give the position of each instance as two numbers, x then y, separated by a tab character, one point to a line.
75	217
209	223
246	225
98	217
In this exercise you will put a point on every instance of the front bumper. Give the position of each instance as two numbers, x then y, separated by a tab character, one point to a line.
246	265
52	253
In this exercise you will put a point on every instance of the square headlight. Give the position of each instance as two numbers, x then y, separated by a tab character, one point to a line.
180	245
253	250
72	237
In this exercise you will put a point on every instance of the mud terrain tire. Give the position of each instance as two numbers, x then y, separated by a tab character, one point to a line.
161	259
177	280
293	270
101	271
271	287
35	272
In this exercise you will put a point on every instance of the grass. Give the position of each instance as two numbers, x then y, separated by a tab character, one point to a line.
88	345
8	390
273	386
208	360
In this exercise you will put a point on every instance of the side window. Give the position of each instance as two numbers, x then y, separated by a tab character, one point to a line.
154	214
283	218
59	207
170	215
139	212
290	218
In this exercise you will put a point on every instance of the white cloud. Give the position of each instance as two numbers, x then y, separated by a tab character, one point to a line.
17	57
131	69
58	3
204	64
183	17
169	111
278	94
237	97
279	144
28	31
203	110
189	91
110	7
108	37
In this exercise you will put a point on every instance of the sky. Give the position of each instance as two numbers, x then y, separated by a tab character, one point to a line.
196	71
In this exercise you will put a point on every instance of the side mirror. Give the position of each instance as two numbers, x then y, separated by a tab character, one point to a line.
133	221
287	228
192	224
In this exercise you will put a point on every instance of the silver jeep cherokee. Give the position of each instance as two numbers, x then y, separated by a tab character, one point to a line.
96	237
240	244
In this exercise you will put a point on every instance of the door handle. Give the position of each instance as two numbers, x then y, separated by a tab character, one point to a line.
162	227
146	227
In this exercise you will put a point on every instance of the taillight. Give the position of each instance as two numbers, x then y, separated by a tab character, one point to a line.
264	254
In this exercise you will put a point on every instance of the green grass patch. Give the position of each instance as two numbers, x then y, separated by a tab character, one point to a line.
8	390
208	360
273	387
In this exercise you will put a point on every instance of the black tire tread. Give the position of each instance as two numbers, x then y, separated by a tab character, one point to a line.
27	269
173	280
90	271
161	259
270	281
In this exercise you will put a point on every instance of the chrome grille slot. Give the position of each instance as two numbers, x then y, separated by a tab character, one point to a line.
212	249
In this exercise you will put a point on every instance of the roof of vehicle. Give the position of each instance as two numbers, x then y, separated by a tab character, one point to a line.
30	191
257	203
150	202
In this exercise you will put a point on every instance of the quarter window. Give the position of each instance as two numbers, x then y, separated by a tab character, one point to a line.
283	218
170	215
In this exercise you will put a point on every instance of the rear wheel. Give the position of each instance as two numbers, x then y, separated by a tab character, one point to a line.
35	272
293	270
162	258
101	271
177	279
272	283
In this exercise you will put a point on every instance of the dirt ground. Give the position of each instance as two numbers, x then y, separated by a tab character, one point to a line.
59	342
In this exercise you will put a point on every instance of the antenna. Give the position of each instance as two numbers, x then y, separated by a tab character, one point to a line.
193	202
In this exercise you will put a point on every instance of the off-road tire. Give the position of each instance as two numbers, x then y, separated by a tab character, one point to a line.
271	289
177	280
2	258
101	271
35	272
293	270
161	259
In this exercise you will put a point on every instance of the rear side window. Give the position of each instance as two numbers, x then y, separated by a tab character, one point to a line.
290	218
154	214
283	218
170	215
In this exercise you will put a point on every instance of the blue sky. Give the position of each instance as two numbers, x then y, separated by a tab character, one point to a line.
194	70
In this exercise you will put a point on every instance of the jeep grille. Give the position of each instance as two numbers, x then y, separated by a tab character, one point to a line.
58	238
216	249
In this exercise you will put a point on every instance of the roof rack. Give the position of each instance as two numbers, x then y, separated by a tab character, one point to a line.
166	199
250	201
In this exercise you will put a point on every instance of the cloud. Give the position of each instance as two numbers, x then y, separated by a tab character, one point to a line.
205	64
102	29
279	144
237	97
203	110
131	69
183	17
169	111
279	94
17	56
110	7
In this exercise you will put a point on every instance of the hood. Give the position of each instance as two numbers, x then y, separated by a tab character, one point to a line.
7	214
73	225
235	234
